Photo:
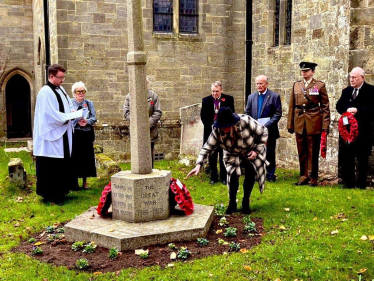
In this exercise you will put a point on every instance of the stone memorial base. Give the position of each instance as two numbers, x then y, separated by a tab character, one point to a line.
141	198
108	232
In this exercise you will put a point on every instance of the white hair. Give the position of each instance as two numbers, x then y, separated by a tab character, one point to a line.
359	70
79	84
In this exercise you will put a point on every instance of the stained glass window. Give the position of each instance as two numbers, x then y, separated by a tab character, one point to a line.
288	22
276	23
188	16
163	15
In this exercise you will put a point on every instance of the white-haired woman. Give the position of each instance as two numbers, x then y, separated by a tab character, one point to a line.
84	135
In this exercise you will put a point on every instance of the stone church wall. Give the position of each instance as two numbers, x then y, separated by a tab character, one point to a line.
16	46
320	33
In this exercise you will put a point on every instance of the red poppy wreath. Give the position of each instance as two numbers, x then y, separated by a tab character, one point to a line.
351	135
105	200
181	196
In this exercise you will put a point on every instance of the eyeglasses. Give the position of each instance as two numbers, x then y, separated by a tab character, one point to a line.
80	92
354	77
59	77
215	91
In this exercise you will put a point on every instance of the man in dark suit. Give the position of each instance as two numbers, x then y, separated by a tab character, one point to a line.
358	99
265	106
209	109
308	117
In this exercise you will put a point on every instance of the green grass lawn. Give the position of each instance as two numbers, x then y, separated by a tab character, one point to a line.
300	223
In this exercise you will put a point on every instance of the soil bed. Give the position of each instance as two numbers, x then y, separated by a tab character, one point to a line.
61	253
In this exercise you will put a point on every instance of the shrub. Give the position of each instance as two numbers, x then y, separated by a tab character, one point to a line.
183	253
234	247
89	248
219	209
50	229
202	241
77	245
251	227
172	246
60	230
247	219
144	255
82	263
113	253
230	232
36	251
223	221
31	240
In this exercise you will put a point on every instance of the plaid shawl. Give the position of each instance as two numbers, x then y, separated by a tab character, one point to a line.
252	136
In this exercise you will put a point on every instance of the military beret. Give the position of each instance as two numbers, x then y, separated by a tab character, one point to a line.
304	65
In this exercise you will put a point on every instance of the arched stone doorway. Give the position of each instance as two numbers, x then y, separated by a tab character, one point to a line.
18	107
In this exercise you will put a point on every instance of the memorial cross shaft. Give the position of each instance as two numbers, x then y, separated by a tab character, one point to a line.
141	158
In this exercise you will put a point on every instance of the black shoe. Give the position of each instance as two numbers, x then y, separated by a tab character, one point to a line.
213	180
271	180
312	184
224	182
231	209
246	210
300	183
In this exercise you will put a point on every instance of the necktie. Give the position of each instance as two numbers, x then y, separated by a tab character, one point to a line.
216	108
355	92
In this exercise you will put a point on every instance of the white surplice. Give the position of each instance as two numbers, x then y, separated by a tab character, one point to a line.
49	124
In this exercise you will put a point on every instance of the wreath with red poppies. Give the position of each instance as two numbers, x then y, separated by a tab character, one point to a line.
181	196
351	135
105	200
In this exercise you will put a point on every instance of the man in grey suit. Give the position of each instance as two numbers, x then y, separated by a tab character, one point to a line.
265	106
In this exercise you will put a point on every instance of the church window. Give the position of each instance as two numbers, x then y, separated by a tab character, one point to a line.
180	16
288	22
188	16
276	23
163	15
282	22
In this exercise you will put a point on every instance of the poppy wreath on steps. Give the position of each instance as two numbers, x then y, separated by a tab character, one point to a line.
180	195
105	200
351	135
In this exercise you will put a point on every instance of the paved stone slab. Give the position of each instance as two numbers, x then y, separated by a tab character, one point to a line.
16	149
123	235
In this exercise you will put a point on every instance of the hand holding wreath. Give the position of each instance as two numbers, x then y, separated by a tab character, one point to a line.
351	135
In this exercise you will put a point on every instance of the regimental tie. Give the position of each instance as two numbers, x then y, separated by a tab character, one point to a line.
355	92
216	108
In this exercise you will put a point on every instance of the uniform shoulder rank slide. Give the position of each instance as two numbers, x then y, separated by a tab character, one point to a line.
314	91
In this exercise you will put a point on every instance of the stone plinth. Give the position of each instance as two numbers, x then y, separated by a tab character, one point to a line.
17	173
141	198
107	232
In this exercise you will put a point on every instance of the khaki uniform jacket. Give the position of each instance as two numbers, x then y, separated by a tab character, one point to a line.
313	115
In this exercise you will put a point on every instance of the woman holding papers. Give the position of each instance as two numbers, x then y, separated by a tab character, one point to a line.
52	137
84	135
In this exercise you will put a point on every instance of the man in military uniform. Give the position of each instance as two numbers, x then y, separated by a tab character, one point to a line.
308	117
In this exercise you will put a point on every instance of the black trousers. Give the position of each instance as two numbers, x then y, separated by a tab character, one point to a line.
348	154
213	165
249	181
270	156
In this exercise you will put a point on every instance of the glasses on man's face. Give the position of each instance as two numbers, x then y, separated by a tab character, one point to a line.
60	77
215	91
354	77
80	92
